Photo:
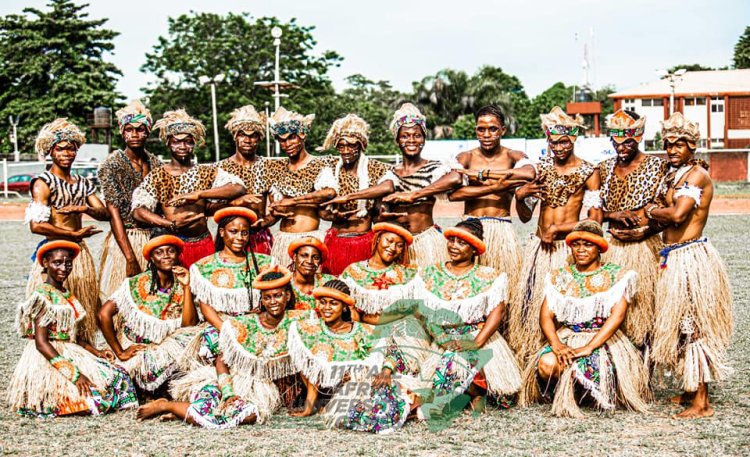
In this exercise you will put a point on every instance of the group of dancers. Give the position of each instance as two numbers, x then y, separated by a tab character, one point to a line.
386	316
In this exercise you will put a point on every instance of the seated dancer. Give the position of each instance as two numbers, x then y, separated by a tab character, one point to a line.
376	283
565	184
485	179
587	355
222	282
240	389
298	183
174	195
248	128
328	349
57	375
349	239
694	321
58	202
410	130
308	254
119	175
157	316
629	182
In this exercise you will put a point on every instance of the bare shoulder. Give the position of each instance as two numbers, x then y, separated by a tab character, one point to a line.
515	155
699	176
464	158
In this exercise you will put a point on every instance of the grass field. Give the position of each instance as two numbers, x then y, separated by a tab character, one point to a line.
531	431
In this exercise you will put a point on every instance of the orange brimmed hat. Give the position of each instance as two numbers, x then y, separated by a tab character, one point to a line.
467	236
260	284
330	292
235	211
590	231
308	241
393	228
159	241
59	244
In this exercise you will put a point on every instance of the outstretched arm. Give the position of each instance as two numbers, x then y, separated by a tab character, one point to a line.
378	191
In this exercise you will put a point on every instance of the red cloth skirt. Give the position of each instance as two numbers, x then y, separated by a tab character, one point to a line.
196	249
261	242
345	250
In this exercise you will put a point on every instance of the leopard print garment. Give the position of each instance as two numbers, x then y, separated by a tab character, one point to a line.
296	183
253	177
559	188
348	183
159	186
634	191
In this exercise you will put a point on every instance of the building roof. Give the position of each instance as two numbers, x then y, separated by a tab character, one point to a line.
718	82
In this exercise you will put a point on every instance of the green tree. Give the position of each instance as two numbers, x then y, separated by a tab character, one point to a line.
52	65
691	67
742	50
241	48
557	95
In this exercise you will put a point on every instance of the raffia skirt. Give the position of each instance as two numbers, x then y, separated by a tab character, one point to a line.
694	322
503	249
37	387
282	240
113	266
428	248
627	384
81	283
643	258
524	332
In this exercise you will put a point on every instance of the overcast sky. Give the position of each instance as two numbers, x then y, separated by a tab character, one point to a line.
402	41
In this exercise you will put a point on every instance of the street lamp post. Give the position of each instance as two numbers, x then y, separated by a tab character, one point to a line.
673	79
14	138
216	79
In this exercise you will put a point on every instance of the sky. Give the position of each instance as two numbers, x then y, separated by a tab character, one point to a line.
402	41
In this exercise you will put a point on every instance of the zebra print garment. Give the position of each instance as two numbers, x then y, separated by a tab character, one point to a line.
428	174
61	193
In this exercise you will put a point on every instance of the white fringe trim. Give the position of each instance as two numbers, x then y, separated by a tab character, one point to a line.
686	190
388	176
573	310
247	411
592	199
323	373
38	305
143	199
143	325
373	301
326	180
36	212
470	310
240	360
221	299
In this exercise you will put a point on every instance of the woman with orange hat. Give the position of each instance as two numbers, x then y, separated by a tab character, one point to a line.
222	282
57	375
588	354
157	313
240	388
308	254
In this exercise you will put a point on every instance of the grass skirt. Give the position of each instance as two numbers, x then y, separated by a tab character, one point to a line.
643	258
38	387
82	283
428	248
627	384
152	367
112	266
196	249
281	243
694	321
345	250
503	249
524	332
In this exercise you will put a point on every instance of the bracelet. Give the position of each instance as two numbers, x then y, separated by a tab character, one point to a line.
225	384
648	211
66	368
173	227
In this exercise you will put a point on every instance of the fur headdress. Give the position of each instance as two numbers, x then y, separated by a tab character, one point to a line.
134	113
179	122
284	122
408	115
349	126
55	132
677	127
558	123
622	126
247	120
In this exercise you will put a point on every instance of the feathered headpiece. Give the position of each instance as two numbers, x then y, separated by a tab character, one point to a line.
55	132
179	122
351	126
134	113
677	127
622	126
408	115
284	122
247	120
558	123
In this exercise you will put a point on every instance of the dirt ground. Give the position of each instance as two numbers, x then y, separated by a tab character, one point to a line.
530	431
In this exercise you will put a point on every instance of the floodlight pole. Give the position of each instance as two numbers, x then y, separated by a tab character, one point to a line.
216	79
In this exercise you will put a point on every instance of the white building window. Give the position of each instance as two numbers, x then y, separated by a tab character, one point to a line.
694	101
717	104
